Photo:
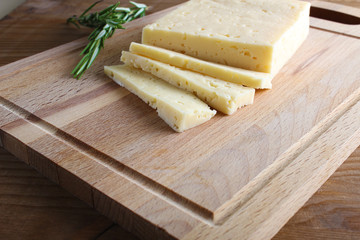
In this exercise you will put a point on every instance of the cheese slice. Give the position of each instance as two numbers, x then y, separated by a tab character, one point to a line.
241	76
223	96
258	35
181	110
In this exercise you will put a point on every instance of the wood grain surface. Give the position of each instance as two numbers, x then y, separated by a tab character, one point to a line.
113	230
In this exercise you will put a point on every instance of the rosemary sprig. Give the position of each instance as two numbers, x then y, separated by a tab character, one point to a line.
105	23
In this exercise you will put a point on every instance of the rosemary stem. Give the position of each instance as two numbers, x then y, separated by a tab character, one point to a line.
104	23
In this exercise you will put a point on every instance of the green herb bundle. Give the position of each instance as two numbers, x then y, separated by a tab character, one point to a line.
105	23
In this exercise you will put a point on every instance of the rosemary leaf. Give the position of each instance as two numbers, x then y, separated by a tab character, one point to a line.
104	23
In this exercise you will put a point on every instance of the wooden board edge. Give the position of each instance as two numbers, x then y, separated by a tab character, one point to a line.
255	185
125	217
263	215
96	192
350	30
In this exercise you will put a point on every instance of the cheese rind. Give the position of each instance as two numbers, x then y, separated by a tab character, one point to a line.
244	77
223	96
181	110
258	35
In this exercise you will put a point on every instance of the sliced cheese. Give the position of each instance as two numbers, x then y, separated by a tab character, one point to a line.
230	74
181	110
223	96
258	35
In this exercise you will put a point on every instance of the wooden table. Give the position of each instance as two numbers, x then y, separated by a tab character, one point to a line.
32	207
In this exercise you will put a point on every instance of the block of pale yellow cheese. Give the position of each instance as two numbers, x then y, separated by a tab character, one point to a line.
180	109
258	35
230	74
223	96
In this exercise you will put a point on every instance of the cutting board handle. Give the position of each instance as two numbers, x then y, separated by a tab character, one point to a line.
335	18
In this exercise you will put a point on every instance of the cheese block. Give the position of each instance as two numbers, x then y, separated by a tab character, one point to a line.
258	35
180	109
241	76
223	96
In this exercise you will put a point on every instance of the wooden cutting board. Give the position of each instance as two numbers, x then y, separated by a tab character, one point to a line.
237	176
